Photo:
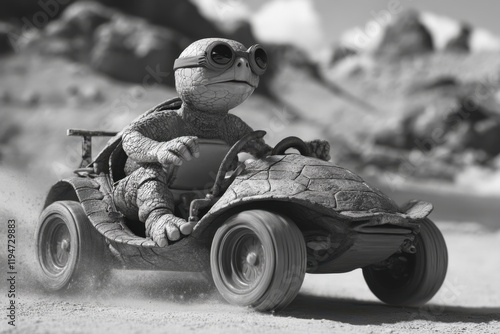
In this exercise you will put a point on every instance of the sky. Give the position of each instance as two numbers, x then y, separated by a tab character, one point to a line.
339	15
317	24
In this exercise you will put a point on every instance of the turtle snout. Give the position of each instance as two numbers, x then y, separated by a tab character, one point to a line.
242	62
243	72
242	69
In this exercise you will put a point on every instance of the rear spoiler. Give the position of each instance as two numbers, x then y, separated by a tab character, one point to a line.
87	142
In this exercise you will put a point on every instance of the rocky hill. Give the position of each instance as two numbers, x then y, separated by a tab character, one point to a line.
414	105
436	102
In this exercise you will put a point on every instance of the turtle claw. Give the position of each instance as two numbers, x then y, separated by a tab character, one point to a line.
160	241
187	228
172	231
166	228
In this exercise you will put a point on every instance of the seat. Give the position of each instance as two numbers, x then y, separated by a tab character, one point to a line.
200	173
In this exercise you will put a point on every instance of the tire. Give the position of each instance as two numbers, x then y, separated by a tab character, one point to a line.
258	259
413	279
70	252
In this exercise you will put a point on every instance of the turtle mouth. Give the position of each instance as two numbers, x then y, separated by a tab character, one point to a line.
234	81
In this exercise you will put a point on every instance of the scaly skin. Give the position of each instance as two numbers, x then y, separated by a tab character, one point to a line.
164	139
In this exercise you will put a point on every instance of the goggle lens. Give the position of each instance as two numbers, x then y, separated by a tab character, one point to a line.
261	58
221	54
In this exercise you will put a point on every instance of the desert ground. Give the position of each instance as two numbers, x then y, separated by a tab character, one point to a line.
158	302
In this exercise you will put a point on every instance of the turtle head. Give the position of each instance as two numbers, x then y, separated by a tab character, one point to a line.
216	74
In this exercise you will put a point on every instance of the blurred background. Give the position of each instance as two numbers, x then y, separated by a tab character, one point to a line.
407	92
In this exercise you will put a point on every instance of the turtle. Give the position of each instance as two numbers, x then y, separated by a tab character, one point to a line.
257	226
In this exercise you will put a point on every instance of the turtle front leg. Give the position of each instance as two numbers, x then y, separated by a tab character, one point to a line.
156	206
163	226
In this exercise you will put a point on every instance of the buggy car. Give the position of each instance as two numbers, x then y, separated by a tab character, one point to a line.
258	227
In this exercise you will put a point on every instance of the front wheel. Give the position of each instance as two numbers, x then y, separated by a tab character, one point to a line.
411	279
69	251
258	259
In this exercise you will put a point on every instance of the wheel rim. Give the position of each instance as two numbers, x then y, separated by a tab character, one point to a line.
400	271
56	246
416	281
242	259
401	268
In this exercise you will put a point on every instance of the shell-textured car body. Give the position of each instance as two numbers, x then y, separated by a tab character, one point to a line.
257	228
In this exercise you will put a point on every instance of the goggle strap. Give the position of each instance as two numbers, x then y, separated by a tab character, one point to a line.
243	54
194	61
201	60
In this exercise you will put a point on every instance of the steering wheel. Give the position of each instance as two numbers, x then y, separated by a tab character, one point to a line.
230	156
291	142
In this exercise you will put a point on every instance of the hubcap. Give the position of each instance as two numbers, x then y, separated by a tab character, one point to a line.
250	254
57	244
251	258
397	271
242	259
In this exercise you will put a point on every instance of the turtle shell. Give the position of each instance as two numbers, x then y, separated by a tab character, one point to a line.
113	147
310	181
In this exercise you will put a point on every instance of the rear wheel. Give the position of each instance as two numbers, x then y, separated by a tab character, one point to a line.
411	279
258	259
69	251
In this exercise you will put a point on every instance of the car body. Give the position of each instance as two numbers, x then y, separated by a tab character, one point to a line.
257	228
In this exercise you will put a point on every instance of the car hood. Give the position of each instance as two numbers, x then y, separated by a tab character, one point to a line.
309	181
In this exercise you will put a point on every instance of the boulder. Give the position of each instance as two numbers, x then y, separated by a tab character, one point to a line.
341	52
72	34
453	125
405	36
132	50
484	136
121	46
80	19
28	9
179	15
440	82
460	43
283	55
5	40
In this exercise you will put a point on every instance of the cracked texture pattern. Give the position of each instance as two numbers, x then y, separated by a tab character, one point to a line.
164	138
215	91
298	178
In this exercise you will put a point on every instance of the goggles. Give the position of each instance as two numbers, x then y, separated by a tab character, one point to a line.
220	56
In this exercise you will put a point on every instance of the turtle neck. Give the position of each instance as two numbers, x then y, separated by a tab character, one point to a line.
207	124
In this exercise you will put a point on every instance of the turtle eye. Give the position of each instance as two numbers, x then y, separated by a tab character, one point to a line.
261	58
221	54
